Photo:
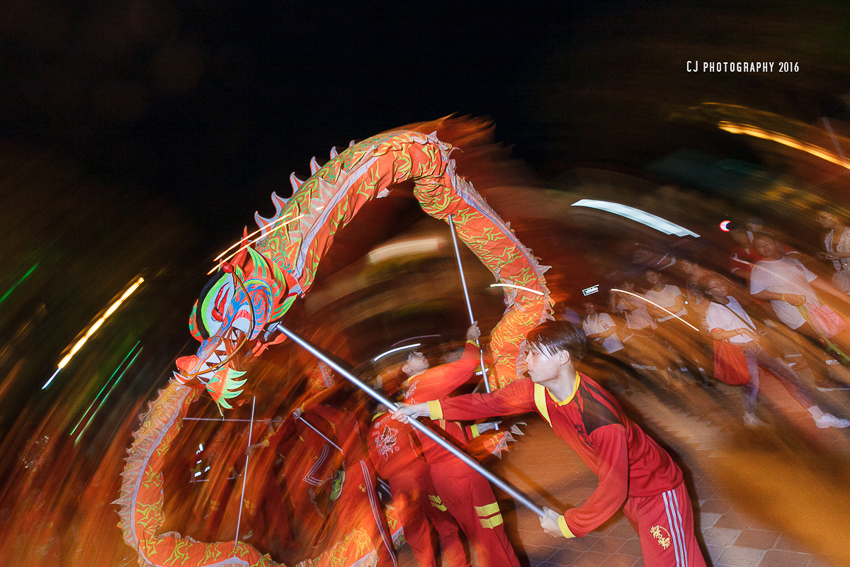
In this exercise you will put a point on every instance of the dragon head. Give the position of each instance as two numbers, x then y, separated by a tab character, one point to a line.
234	308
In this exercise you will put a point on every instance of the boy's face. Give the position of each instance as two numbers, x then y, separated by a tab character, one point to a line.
543	367
416	363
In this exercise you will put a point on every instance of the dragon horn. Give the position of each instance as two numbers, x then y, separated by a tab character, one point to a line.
239	259
333	152
314	166
295	182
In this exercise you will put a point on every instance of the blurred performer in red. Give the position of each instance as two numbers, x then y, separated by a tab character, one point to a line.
397	457
466	494
336	480
358	504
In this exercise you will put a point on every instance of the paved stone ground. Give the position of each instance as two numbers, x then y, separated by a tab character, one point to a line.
702	429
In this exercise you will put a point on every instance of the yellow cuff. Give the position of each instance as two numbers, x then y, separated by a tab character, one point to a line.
565	530
265	442
436	409
474	430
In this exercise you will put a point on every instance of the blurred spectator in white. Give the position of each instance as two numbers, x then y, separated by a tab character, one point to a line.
638	334
728	321
667	305
697	302
837	246
788	285
601	332
600	329
743	256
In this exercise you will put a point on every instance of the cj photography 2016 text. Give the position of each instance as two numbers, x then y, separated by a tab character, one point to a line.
742	67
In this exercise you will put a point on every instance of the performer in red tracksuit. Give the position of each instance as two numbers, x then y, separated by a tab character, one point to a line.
358	504
466	494
634	472
398	458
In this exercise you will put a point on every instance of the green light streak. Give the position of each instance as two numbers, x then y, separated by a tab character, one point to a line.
25	276
117	368
77	440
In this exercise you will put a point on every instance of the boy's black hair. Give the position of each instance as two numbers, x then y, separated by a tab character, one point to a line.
554	336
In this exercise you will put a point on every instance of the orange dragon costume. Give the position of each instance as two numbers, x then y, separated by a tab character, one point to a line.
258	286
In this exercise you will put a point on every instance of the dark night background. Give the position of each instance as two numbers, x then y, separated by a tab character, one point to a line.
213	104
138	137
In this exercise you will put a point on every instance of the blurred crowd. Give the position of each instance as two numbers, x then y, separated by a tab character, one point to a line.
667	317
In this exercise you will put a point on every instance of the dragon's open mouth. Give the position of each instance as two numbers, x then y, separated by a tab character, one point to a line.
230	351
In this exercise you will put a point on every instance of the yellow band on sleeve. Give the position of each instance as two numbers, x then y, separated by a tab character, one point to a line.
475	432
436	409
565	530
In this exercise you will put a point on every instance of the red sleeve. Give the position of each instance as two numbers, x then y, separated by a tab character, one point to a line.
442	380
320	397
286	429
612	458
347	431
516	397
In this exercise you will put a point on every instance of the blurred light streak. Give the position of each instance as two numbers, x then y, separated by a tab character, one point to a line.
117	368
83	430
94	328
637	215
414	338
784	140
248	236
516	286
655	304
835	141
392	350
231	256
25	276
405	248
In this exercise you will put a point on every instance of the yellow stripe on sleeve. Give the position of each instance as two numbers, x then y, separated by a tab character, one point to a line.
436	409
565	530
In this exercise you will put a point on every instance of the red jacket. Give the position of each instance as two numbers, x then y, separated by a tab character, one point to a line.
627	462
439	382
392	446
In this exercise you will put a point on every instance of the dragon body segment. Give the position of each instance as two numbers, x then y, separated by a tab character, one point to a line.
281	265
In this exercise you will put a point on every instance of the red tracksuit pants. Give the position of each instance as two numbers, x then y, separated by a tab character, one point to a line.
665	525
418	502
470	499
358	506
